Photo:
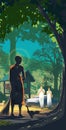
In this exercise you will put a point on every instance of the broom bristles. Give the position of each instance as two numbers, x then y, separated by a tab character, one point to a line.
6	108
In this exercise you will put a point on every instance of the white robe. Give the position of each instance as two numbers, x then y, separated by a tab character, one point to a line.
41	98
49	98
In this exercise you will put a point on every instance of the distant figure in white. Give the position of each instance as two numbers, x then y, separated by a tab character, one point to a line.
41	93
49	98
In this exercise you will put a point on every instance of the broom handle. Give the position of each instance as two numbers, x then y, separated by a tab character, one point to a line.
23	88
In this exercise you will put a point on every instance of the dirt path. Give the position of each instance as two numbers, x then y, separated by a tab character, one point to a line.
24	109
26	121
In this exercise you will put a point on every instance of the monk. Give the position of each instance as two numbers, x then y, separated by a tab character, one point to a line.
17	80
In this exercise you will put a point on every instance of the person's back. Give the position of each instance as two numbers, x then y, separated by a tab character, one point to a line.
16	80
15	73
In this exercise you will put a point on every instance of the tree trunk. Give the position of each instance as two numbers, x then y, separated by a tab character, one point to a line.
12	51
64	55
61	105
55	81
28	85
62	44
56	93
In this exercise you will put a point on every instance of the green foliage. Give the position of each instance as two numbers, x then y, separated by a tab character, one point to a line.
56	8
4	61
5	123
52	56
16	14
56	94
19	11
3	97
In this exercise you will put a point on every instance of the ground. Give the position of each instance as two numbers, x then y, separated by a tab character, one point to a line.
23	122
24	109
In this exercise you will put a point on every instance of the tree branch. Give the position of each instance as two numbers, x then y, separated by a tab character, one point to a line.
43	12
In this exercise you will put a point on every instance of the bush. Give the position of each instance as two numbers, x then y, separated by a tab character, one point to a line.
3	97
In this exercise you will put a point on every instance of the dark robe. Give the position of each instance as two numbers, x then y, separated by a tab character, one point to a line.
16	72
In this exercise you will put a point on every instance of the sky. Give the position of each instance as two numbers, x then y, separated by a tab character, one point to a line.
25	48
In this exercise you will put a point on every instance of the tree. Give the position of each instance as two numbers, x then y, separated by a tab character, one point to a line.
4	60
52	56
60	38
45	10
22	10
22	7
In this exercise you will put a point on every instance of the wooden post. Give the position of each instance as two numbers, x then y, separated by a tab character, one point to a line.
28	85
4	88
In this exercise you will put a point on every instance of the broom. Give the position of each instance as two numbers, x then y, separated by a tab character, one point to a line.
5	110
23	101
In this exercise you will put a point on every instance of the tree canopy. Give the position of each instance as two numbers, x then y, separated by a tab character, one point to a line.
14	13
